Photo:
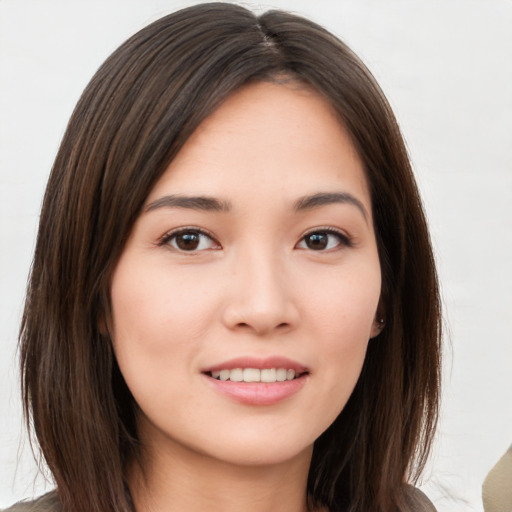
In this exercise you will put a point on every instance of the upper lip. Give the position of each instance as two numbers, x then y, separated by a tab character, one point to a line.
258	362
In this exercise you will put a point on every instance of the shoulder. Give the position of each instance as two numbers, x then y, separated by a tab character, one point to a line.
47	503
417	501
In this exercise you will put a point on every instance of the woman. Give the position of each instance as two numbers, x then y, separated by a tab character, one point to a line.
233	301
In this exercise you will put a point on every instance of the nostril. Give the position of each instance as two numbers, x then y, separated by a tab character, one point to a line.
283	326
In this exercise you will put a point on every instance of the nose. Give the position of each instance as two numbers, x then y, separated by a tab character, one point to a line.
261	298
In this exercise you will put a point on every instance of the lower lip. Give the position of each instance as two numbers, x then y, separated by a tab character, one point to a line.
258	393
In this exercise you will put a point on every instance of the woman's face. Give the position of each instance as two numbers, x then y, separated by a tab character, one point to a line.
247	292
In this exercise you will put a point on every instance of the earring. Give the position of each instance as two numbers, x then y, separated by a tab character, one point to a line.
380	323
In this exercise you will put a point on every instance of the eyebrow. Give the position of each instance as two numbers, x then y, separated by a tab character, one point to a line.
204	203
209	204
325	198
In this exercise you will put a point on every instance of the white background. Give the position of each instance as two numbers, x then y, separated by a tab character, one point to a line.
446	67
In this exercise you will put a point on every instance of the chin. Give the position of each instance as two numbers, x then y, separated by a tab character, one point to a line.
261	444
263	454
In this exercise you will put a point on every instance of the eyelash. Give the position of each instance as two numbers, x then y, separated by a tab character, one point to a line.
343	239
168	237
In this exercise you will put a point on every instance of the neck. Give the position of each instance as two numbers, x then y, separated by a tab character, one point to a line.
177	480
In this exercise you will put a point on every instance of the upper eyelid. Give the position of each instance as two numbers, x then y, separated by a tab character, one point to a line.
327	229
176	231
345	239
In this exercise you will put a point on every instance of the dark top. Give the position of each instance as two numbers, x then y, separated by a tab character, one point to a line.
47	503
416	500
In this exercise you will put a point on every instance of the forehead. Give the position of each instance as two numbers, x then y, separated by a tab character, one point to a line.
283	138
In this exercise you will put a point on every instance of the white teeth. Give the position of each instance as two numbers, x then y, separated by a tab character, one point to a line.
236	375
281	374
255	375
268	375
252	375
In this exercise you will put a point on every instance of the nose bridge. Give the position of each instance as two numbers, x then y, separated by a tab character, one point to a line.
261	297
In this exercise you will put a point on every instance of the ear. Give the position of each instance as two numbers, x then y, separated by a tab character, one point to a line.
379	321
377	326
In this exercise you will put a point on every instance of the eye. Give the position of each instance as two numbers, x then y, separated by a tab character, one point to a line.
189	240
323	240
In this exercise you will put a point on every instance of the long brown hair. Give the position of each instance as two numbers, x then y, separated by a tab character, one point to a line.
132	119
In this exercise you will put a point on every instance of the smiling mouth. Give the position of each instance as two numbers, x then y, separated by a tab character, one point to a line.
266	375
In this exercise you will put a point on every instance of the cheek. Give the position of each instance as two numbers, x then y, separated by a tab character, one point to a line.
342	312
149	333
344	304
155	308
154	326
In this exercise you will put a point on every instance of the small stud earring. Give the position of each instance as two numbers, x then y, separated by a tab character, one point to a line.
381	323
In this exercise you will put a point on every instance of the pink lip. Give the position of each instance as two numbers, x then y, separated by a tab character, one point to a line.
258	393
261	363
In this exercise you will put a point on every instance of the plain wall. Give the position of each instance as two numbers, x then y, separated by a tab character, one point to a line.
446	67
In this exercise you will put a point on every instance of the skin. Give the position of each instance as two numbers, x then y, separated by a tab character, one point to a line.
252	288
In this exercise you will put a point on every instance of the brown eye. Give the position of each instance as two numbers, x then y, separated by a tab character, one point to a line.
190	240
316	241
323	241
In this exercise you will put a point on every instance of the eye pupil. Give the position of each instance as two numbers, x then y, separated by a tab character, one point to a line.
188	241
317	241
